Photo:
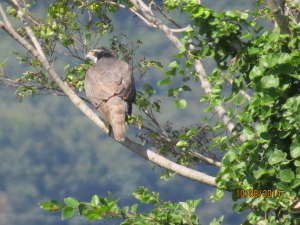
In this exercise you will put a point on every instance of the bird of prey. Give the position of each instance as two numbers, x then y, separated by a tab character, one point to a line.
110	86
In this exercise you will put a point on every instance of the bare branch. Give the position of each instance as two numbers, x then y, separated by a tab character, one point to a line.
134	12
166	16
179	30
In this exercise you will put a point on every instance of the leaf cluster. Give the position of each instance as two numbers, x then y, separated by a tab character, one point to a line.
103	208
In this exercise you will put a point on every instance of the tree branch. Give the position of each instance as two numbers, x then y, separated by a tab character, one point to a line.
160	160
139	149
38	47
140	5
277	9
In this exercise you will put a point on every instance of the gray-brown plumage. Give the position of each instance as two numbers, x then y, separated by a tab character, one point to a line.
110	86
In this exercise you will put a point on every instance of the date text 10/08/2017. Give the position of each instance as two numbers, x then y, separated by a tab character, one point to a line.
258	193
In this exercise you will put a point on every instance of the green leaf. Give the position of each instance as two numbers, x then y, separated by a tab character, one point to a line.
297	163
189	29
66	67
217	88
270	81
174	65
188	65
230	13
149	90
191	132
232	154
164	81
259	172
181	104
71	202
274	37
111	205
249	132
184	206
134	208
172	92
67	212
186	88
88	36
295	183
284	57
185	79
282	186
110	198
246	34
265	112
240	100
253	51
171	73
286	175
255	72
295	149
266	100
46	205
276	157
181	143
199	13
244	15
291	101
219	193
269	60
104	208
261	127
93	217
217	222
219	125
95	200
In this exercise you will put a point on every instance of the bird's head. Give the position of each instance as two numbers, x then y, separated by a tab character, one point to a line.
97	53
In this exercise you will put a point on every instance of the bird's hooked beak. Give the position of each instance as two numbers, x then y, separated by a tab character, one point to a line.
91	56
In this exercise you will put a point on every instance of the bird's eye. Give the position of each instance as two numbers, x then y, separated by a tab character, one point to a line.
93	53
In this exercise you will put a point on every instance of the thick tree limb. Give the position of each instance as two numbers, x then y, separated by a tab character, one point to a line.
140	5
277	9
160	160
139	149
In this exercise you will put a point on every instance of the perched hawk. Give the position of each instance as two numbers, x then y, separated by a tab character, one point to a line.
110	86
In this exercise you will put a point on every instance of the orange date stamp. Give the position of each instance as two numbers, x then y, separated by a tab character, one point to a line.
258	193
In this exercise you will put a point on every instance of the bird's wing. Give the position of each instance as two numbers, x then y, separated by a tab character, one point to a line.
110	86
110	77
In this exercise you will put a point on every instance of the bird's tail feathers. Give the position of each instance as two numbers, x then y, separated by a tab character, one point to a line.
117	112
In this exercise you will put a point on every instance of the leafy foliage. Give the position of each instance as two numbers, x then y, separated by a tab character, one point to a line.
103	208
